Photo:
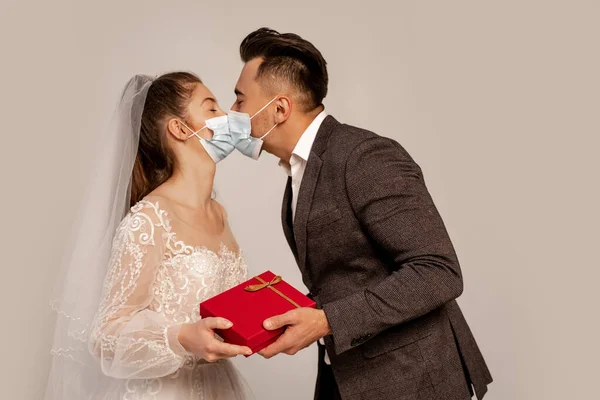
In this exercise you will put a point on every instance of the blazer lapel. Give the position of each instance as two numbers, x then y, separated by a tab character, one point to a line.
307	191
305	197
286	217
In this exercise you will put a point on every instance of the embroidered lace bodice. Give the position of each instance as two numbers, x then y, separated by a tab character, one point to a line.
155	283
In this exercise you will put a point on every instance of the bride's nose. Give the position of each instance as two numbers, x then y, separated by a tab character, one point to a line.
220	111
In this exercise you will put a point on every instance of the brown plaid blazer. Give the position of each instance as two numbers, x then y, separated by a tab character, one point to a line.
376	256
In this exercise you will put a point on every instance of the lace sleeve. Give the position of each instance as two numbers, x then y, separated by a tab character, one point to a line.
130	340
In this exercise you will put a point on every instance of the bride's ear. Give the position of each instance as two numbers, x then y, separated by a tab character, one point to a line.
176	129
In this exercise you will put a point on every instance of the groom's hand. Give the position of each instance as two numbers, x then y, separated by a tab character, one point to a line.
304	327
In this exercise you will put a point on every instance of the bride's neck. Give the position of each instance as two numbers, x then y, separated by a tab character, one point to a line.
192	183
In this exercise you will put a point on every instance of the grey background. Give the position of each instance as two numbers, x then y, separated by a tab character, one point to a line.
497	101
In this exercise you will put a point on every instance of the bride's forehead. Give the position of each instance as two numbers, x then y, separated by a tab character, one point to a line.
201	92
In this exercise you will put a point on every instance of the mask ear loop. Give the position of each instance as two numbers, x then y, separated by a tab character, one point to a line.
266	105
259	111
270	130
193	133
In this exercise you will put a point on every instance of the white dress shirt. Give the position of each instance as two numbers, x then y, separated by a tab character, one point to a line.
300	155
297	165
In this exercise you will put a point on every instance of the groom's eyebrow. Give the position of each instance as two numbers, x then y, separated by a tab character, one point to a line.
238	92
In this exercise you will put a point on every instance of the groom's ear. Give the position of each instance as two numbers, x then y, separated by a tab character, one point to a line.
284	109
176	129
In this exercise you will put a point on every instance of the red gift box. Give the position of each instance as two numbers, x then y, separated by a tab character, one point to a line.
249	304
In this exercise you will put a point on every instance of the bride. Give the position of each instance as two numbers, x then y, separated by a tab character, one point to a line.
128	323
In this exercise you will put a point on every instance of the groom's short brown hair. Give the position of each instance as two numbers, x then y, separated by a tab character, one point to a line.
286	56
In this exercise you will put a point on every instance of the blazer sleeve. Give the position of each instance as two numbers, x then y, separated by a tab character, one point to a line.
388	195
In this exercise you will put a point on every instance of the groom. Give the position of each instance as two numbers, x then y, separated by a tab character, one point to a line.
370	244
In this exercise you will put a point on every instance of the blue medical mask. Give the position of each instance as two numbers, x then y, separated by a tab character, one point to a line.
221	144
240	128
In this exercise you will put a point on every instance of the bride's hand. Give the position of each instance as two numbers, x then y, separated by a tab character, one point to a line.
199	338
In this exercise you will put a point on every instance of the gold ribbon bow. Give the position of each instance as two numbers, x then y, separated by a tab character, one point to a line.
263	284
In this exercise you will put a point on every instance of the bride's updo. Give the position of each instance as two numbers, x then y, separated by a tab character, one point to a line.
168	97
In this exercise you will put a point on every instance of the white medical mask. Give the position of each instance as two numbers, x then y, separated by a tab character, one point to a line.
240	128
221	144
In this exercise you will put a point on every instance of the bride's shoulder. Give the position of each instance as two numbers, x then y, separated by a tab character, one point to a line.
148	210
144	224
145	205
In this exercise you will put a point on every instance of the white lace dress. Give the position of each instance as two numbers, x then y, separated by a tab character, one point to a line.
155	283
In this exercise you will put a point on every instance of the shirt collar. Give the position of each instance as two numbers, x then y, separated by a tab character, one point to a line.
305	143
307	139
